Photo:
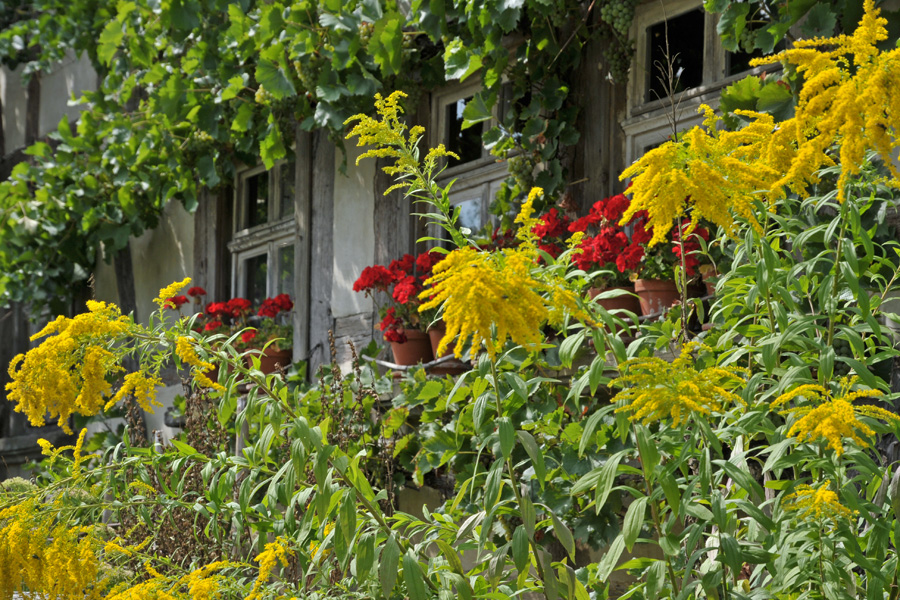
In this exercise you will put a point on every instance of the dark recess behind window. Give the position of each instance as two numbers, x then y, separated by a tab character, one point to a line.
257	199
685	46
465	143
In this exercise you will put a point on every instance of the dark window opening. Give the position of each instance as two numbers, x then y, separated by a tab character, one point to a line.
465	143
257	199
685	48
255	275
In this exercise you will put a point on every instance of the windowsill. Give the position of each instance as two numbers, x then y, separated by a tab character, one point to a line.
248	238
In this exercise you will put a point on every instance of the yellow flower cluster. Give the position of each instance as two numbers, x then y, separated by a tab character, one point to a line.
201	584
655	389
495	296
78	459
169	291
69	372
274	553
390	140
50	559
817	503
184	348
314	545
849	97
715	172
834	418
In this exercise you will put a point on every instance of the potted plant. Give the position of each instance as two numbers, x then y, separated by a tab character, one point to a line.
401	323
608	254
654	281
267	330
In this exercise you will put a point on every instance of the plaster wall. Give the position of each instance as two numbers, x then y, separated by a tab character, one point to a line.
60	87
162	255
354	233
15	102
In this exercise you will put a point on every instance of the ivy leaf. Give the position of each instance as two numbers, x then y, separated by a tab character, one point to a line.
110	38
820	21
476	111
459	62
386	44
207	169
183	15
243	119
273	78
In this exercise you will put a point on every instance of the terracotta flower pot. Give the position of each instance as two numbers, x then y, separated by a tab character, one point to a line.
656	295
624	302
416	349
271	358
436	335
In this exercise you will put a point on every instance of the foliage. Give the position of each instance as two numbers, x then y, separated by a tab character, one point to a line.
190	88
745	466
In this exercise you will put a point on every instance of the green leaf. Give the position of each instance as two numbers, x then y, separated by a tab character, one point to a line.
365	555
273	78
521	548
412	575
386	44
460	62
569	347
820	21
451	555
387	570
563	535
109	41
634	521
507	436
609	560
536	456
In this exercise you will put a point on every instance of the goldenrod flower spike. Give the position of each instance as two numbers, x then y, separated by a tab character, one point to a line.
656	390
832	419
817	503
170	290
491	297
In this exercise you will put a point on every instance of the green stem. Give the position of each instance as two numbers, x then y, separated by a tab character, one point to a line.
509	466
834	287
654	513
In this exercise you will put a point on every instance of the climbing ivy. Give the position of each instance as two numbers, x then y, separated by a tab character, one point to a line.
190	88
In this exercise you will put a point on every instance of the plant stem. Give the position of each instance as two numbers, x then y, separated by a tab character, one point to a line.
837	258
682	287
509	466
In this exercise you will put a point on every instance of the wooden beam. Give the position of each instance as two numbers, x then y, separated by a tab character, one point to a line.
302	247
321	254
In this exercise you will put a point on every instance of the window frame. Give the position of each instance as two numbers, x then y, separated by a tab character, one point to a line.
647	122
264	239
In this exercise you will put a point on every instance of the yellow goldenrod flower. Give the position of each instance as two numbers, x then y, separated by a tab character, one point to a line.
849	97
170	290
495	296
68	372
655	389
274	553
817	503
184	348
834	418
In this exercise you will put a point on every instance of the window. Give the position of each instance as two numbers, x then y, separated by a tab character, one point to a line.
700	65
263	241
478	174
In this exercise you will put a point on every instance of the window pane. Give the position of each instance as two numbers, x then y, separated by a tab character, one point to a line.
466	143
287	190
257	199
286	270
685	47
256	269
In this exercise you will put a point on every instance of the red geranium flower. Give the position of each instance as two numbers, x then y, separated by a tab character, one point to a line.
616	207
375	277
212	325
238	306
176	301
283	301
405	289
196	291
403	267
551	225
395	335
215	309
248	336
630	258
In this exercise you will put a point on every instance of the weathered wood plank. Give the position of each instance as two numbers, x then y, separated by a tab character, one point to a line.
321	254
302	247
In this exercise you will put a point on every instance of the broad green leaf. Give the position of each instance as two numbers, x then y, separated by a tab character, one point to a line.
634	521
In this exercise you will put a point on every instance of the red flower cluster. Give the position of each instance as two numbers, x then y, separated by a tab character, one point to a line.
691	246
176	301
272	306
402	280
392	327
196	291
552	230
